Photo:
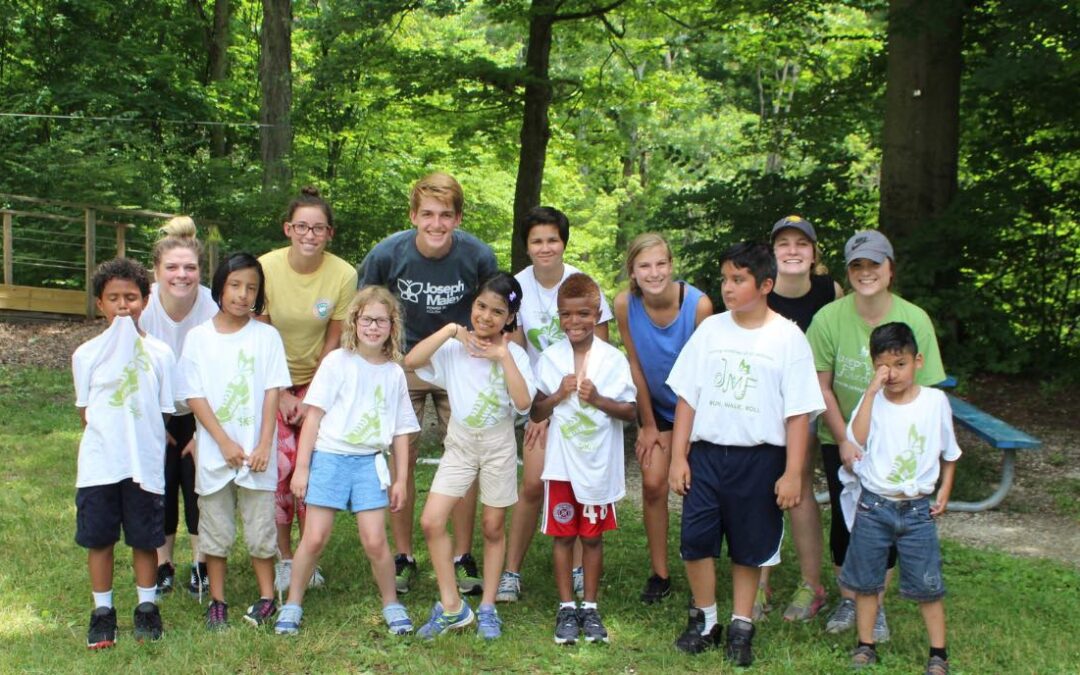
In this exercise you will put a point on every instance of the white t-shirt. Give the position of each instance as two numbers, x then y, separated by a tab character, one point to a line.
476	386
743	384
125	382
585	445
157	322
905	443
366	404
539	312
232	371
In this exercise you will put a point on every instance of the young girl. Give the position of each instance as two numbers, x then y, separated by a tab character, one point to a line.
308	290
177	304
488	378
803	286
358	406
231	371
656	317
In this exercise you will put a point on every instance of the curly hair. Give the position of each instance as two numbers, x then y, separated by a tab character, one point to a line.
364	297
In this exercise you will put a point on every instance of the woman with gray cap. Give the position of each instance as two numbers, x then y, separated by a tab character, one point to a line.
803	286
840	336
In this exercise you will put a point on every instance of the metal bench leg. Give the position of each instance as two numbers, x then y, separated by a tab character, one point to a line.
1008	472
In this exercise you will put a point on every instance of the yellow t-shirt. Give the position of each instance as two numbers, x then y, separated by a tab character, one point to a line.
301	305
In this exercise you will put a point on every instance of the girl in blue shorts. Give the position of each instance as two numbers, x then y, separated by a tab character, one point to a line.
358	406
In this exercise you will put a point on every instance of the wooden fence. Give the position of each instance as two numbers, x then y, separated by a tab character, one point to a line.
69	292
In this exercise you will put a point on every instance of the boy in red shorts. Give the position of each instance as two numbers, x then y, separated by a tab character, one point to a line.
584	386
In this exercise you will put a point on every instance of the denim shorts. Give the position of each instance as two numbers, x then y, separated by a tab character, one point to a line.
881	523
345	482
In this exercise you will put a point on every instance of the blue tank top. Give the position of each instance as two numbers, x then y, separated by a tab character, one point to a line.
657	347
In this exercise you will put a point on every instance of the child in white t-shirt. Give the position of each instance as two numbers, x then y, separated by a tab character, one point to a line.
747	392
904	437
123	384
358	407
232	370
488	379
584	385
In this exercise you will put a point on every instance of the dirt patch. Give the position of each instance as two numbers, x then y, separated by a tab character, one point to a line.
1038	518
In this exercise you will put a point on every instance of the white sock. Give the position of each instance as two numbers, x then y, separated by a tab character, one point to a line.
457	559
146	594
741	618
588	605
710	618
568	605
103	599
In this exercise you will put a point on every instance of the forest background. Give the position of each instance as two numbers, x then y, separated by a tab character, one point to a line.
951	125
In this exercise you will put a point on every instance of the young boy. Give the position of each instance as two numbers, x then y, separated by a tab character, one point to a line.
746	391
905	433
434	269
584	386
123	384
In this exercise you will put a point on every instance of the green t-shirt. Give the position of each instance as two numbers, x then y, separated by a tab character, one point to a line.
840	340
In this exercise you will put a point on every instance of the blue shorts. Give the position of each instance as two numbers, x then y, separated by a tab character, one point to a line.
732	496
100	511
881	523
345	482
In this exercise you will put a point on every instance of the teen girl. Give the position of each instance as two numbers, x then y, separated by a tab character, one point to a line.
656	317
308	290
232	369
803	286
357	408
488	379
177	304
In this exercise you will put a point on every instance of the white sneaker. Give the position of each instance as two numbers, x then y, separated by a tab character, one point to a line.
317	579
282	576
579	582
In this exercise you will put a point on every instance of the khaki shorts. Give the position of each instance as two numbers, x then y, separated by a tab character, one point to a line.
217	521
490	452
418	393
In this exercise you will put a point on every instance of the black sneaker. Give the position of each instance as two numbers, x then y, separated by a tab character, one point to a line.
217	616
694	640
166	578
468	577
199	583
261	612
656	589
592	627
148	622
404	572
102	631
567	626
738	648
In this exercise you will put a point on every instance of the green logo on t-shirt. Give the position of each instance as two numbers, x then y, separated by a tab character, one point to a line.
736	380
906	463
238	394
579	431
543	337
368	431
486	408
129	380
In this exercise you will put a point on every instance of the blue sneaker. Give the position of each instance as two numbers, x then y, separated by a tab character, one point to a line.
439	622
489	625
397	619
288	620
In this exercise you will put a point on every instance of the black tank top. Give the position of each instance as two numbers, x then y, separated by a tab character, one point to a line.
802	310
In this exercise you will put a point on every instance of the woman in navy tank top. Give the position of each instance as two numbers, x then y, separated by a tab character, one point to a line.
656	317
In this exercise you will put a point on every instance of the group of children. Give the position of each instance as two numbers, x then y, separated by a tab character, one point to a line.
745	392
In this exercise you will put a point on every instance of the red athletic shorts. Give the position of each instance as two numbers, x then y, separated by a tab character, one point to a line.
564	516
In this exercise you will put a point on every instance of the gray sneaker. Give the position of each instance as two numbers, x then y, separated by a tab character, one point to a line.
579	582
592	627
509	587
881	627
842	618
567	626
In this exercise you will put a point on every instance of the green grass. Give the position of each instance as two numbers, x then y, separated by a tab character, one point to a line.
1006	615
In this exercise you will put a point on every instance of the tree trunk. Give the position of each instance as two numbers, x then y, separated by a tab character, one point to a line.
922	116
219	66
535	130
275	79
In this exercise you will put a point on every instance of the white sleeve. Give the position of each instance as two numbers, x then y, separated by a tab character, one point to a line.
685	376
190	384
80	373
405	421
166	363
278	368
799	382
854	412
548	376
324	387
628	393
521	360
434	371
951	450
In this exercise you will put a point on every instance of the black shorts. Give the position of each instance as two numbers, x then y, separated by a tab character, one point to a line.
662	423
732	496
100	511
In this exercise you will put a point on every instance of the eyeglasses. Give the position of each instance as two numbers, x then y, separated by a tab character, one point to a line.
380	321
304	228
